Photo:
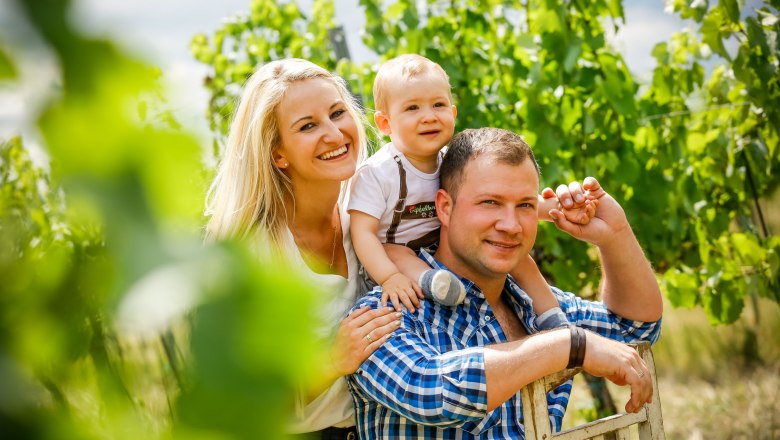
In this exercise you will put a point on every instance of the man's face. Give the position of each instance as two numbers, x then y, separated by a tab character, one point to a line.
492	222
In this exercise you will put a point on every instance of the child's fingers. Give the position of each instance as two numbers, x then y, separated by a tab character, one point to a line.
592	208
400	298
406	300
408	305
396	301
585	214
385	297
415	294
418	291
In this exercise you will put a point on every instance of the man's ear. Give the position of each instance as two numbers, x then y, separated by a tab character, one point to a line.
382	121
444	205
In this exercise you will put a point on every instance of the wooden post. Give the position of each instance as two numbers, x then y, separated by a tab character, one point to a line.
654	428
537	418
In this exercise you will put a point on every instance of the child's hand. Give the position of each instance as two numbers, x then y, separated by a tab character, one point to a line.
400	289
577	213
581	214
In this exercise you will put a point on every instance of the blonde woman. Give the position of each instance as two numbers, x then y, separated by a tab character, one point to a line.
295	140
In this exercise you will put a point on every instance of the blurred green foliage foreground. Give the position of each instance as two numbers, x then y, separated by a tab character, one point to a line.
102	265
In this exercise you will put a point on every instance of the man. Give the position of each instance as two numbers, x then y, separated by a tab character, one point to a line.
456	372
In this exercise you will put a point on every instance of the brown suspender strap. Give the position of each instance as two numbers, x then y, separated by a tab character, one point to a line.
399	206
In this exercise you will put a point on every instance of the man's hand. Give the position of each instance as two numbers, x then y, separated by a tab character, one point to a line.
608	221
628	285
620	364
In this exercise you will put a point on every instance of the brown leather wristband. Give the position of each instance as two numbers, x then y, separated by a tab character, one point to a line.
577	350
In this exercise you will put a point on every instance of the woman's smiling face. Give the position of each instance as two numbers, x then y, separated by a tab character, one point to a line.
318	135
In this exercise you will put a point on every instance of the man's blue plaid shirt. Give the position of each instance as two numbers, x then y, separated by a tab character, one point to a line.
428	379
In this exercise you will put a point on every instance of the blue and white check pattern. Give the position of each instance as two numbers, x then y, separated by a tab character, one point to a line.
428	379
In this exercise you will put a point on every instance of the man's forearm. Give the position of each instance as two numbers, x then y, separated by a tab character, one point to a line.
629	287
508	367
511	366
407	371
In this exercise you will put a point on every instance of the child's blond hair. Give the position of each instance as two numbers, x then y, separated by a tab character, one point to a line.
404	66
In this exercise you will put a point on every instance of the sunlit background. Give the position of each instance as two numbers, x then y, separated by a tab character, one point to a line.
160	31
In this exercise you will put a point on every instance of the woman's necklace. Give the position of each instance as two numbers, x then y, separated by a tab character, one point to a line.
332	247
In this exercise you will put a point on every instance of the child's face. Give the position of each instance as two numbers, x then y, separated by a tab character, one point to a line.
420	117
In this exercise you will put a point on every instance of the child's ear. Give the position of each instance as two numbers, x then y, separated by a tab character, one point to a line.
382	121
454	112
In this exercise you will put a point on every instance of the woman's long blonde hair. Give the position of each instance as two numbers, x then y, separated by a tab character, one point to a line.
248	194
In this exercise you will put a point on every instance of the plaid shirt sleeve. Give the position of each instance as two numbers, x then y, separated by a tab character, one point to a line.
596	317
413	378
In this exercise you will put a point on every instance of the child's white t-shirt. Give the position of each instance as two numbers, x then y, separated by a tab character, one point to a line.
376	188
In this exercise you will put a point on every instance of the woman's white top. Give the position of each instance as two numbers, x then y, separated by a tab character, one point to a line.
334	406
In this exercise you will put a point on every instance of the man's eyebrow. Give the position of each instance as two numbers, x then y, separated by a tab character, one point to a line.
335	104
488	195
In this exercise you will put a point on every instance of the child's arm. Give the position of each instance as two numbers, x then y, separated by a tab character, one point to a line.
396	286
527	275
546	203
406	260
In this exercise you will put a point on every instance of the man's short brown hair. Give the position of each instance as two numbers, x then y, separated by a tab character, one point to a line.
503	145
